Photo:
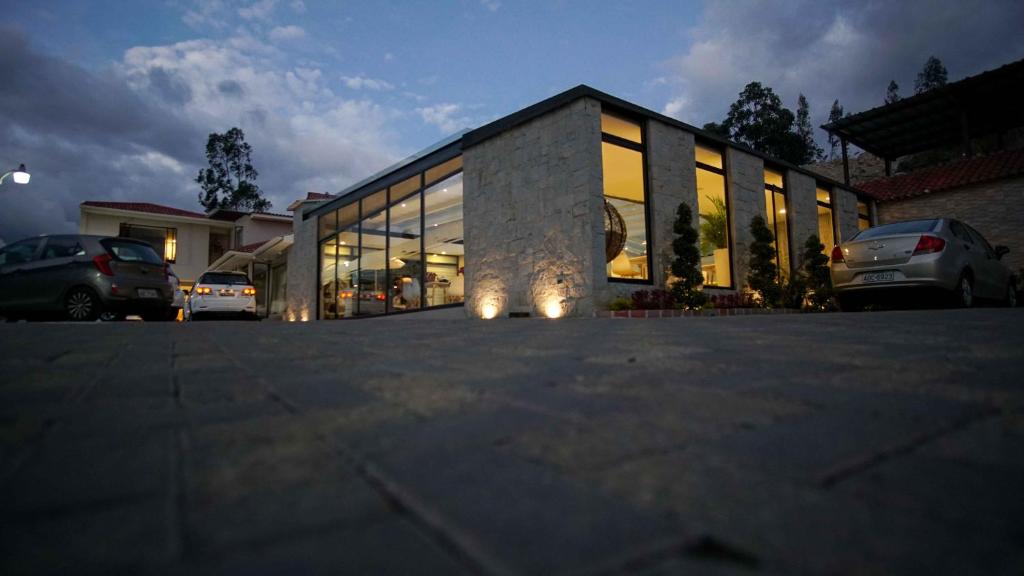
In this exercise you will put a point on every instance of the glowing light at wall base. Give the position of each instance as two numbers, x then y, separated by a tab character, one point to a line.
488	311
553	309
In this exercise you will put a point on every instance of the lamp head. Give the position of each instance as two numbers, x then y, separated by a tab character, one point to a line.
21	176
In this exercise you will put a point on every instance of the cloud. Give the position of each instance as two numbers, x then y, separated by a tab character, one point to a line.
258	11
137	131
298	6
444	116
361	82
830	50
491	5
290	32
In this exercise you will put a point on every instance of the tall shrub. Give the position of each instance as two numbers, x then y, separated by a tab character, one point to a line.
686	264
815	270
763	274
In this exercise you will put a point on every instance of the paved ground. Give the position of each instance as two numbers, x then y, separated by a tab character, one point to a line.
813	444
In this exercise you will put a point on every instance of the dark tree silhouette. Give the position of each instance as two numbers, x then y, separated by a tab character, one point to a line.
932	76
229	181
892	93
834	115
812	152
763	274
686	265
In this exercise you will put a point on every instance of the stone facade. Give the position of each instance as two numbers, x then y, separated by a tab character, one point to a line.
802	212
745	184
672	180
844	210
532	206
995	209
303	267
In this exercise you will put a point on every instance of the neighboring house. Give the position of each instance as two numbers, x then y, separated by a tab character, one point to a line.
266	263
965	141
189	241
554	210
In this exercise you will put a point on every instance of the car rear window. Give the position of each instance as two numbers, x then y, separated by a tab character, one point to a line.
911	227
131	251
215	278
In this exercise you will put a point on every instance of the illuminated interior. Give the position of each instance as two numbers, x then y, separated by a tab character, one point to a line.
713	208
622	162
826	226
863	218
398	249
778	218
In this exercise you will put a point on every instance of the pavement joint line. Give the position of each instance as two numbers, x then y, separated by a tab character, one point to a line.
856	466
268	388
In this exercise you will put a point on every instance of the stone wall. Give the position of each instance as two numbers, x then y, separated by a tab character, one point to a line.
303	266
802	213
533	212
672	180
745	184
844	210
995	209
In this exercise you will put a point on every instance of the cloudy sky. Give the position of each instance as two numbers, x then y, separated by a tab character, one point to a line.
114	100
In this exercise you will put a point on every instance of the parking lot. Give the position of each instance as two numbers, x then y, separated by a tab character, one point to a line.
868	443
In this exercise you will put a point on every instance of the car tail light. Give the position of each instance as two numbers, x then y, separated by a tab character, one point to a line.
929	244
380	296
102	263
203	290
837	254
249	291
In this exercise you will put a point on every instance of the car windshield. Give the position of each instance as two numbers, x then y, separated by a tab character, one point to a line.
132	251
224	279
911	227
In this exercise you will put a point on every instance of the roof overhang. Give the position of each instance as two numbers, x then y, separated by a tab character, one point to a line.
153	216
265	252
987	103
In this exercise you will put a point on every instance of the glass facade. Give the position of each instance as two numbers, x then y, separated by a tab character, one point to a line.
397	249
826	221
863	217
777	217
625	194
713	208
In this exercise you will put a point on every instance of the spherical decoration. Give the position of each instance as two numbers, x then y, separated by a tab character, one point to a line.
614	232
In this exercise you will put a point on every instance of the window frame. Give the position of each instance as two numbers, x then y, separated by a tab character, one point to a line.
170	233
640	147
775	226
723	172
831	205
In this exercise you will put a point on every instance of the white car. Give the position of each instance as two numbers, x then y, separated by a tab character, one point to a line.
223	295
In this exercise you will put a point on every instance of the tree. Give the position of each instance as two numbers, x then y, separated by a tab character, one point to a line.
812	152
932	76
892	94
834	115
814	267
686	264
717	129
763	275
229	182
759	120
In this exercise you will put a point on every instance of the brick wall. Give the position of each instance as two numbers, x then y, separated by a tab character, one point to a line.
995	209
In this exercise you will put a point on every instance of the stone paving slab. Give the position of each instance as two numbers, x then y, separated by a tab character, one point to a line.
796	444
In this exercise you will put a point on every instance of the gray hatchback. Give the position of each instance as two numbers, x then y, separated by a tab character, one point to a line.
79	277
941	254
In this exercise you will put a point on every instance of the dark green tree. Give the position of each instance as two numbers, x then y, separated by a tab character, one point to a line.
686	264
814	268
892	93
932	76
230	179
717	129
834	115
759	120
763	275
812	152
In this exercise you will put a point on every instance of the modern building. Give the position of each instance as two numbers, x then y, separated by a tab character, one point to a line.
551	211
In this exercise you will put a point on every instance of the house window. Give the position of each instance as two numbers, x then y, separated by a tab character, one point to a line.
398	249
863	216
163	240
826	221
625	195
713	208
777	217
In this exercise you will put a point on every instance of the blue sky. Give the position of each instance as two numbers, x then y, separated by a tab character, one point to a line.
114	99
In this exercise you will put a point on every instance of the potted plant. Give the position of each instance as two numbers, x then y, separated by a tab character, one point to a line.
714	236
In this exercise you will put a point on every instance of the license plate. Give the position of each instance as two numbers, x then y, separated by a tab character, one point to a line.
148	293
878	277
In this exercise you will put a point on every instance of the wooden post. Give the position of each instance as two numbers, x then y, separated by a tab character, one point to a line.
888	167
846	163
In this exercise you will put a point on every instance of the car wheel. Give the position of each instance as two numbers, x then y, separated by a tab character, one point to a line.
963	294
1011	296
82	305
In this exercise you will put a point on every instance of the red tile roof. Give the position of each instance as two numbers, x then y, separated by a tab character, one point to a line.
144	207
953	175
317	196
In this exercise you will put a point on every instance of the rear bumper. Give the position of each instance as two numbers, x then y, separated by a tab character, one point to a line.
201	305
928	272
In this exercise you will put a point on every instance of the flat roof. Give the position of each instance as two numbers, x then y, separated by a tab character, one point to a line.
976	106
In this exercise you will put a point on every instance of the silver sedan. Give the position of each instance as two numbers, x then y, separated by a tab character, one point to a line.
939	254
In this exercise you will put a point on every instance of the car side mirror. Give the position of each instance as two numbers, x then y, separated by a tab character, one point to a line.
1001	251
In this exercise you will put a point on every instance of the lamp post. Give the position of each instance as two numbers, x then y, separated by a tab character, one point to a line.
20	175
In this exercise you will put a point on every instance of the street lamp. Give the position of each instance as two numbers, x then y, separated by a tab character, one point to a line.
20	176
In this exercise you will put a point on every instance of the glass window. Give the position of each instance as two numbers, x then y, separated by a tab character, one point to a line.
348	271
19	252
909	227
131	251
328	225
328	281
406	266
373	264
625	197
714	219
405	187
442	170
66	247
826	226
443	242
374	203
163	240
777	218
348	216
863	218
218	245
621	127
